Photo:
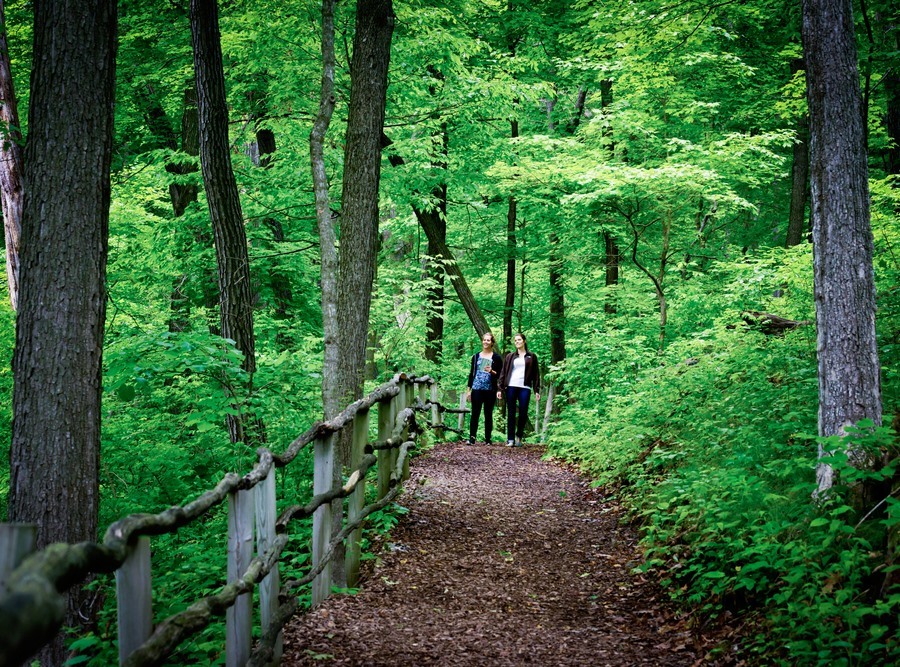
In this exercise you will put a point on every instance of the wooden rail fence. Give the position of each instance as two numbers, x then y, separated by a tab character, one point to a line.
31	586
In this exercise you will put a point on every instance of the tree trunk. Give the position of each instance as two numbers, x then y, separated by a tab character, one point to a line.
229	236
612	269
62	306
510	303
434	326
892	119
331	399
663	260
359	211
362	174
799	176
456	278
437	243
557	304
182	195
10	166
849	382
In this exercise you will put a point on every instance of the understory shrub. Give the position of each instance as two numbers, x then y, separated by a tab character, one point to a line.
710	444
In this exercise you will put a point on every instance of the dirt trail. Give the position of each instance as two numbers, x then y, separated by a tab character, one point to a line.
503	559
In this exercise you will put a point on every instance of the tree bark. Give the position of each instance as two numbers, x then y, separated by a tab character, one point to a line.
437	243
229	236
182	195
62	306
456	278
557	304
849	382
362	175
611	263
511	215
799	176
359	210
434	326
325	220
10	166
892	119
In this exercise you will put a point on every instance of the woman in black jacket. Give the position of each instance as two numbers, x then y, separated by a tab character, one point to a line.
519	378
484	369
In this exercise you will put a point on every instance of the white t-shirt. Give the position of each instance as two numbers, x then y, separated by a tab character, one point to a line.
517	377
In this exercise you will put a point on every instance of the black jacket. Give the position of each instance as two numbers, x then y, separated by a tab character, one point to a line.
532	372
496	366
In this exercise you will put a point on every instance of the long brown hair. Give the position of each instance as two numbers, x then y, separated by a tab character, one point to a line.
524	340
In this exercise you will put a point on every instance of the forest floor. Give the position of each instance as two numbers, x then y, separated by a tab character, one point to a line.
503	559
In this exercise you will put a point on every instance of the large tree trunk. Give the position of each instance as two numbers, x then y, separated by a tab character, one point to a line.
359	207
10	166
799	176
229	236
849	382
62	305
362	174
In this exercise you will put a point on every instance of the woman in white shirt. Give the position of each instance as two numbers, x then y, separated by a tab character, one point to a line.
519	377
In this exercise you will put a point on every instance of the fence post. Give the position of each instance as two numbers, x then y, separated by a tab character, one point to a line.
238	618
410	402
385	426
357	499
323	457
462	415
437	419
265	536
17	541
537	418
548	410
134	608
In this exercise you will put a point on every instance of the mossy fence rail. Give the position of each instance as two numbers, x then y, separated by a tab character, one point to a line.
32	606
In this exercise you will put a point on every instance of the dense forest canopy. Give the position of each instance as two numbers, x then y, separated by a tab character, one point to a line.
625	182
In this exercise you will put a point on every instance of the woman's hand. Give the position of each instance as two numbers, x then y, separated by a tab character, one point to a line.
469	394
499	394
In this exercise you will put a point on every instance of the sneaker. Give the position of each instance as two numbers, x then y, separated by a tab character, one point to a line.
510	443
518	442
470	441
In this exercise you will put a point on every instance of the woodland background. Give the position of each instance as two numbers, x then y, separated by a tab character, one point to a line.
621	181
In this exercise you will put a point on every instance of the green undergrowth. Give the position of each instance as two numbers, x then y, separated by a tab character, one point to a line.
711	446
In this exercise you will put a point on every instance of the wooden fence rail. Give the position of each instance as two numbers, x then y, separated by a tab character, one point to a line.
32	607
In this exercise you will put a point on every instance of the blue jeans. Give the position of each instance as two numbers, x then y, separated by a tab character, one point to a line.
516	397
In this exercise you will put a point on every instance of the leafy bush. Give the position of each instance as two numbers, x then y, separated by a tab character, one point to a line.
709	445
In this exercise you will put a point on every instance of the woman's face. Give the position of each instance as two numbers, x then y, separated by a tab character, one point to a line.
519	342
487	341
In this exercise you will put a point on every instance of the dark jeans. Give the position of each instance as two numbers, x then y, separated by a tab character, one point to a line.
516	397
487	398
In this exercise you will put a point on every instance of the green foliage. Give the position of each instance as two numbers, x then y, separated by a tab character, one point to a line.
708	445
681	155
